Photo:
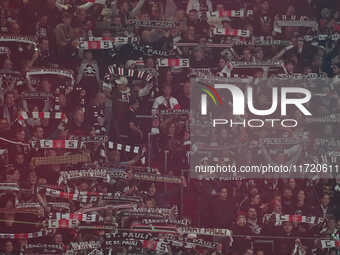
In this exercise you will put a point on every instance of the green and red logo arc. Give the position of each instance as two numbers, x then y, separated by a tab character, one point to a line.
211	92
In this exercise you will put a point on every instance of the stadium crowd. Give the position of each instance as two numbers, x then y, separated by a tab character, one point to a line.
95	98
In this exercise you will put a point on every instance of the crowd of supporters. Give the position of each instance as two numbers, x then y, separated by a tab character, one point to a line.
98	84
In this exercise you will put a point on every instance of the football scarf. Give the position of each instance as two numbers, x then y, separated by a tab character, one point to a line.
231	32
158	24
51	71
173	62
298	219
18	39
42	115
24	235
114	71
56	144
327	244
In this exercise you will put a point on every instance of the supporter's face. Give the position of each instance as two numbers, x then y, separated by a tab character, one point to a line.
193	15
32	178
9	247
191	31
257	199
58	239
167	91
83	186
180	14
247	54
187	88
146	36
287	194
44	45
265	6
252	214
290	67
301	195
292	183
290	10
221	63
288	227
20	159
67	21
325	200
117	21
10	100
249	252
241	221
219	7
43	20
79	116
125	7
152	190
277	207
88	55
172	128
7	64
150	63
46	86
198	54
20	136
259	253
223	194
150	204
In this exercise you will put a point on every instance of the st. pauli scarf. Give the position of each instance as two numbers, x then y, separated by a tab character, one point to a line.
50	71
173	62
205	231
87	245
59	206
122	147
42	115
89	196
109	207
37	95
88	173
9	77
103	43
163	211
190	243
157	178
325	244
160	24
231	32
25	235
115	71
147	50
229	13
82	217
62	223
19	39
181	222
58	160
5	51
298	219
56	144
154	229
296	21
32	246
207	45
7	186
